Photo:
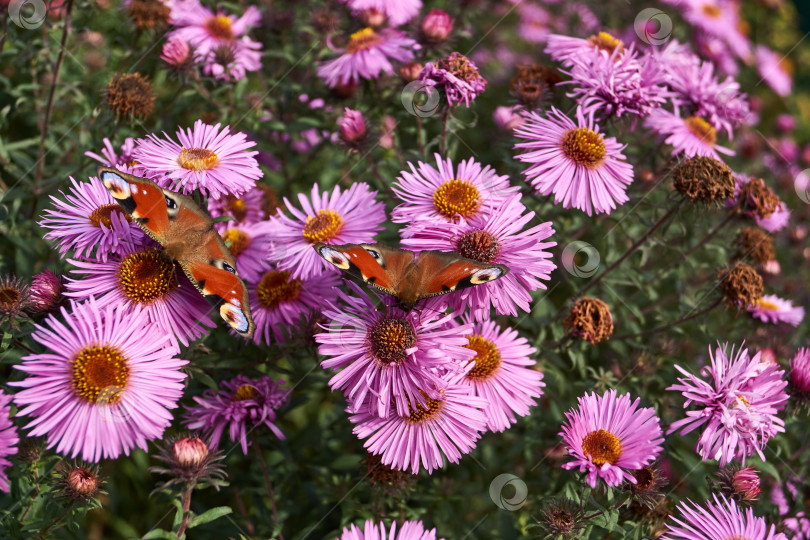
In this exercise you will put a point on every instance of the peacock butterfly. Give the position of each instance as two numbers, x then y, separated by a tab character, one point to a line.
401	273
187	235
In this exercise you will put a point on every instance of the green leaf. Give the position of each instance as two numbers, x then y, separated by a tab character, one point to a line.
209	515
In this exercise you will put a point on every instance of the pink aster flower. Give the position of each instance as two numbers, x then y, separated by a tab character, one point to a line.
245	209
110	158
498	238
574	161
800	371
390	357
535	23
568	49
366	56
777	221
773	222
89	222
142	276
8	439
205	30
232	61
277	301
507	118
456	76
241	404
448	193
717	18
213	161
340	217
502	373
691	136
722	519
249	244
445	427
737	399
772	309
410	530
397	12
104	386
775	69
609	437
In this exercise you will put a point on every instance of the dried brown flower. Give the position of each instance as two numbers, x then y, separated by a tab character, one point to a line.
130	95
148	13
755	243
391	481
758	198
533	84
741	285
704	179
590	320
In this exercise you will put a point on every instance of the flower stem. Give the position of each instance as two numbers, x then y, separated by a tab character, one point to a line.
186	507
267	482
443	141
420	135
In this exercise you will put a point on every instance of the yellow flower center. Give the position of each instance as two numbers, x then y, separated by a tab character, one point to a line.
197	159
423	414
145	276
786	65
487	358
390	339
602	447
701	129
237	207
245	393
103	215
712	11
606	42
236	240
219	27
456	197
362	39
322	227
770	306
277	287
584	146
100	374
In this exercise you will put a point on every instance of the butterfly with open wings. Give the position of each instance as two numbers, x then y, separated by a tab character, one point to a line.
405	275
187	235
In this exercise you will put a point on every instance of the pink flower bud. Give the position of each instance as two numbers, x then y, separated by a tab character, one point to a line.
176	52
507	118
436	26
45	293
372	17
746	484
190	452
352	127
410	72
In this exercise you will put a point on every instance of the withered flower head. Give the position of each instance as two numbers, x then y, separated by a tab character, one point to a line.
79	481
562	517
704	179
533	84
742	484
741	285
758	198
130	95
189	461
590	320
647	489
30	450
148	13
755	243
389	481
13	296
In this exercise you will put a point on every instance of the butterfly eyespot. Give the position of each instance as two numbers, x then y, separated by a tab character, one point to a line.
229	268
170	203
374	253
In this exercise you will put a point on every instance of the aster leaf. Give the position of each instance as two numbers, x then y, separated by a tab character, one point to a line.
209	516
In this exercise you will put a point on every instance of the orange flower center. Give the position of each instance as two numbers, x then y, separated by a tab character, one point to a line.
219	27
146	276
322	227
362	40
197	159
602	447
606	42
584	146
701	129
277	287
236	240
423	414
712	11
390	339
487	358
244	393
100	374
237	207
103	214
456	197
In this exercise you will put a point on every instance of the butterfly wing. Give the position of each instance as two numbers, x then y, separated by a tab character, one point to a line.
186	232
441	273
381	266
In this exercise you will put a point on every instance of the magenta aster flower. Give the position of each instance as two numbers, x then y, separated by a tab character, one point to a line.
213	161
737	400
366	56
445	427
775	69
568	49
757	208
89	222
777	221
397	12
8	439
772	309
278	300
574	161
232	61
243	402
503	373
498	238
719	521
340	217
717	18
249	244
610	437
390	357
105	385
245	209
205	30
535	23
410	530
447	193
507	118
456	76
800	371
691	136
142	276
110	158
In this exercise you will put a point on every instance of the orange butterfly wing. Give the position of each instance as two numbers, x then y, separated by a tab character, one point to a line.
378	265
441	272
186	232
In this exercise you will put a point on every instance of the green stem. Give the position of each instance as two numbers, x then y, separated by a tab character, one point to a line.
186	510
267	482
670	325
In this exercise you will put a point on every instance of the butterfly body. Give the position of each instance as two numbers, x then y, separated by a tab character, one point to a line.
187	235
409	277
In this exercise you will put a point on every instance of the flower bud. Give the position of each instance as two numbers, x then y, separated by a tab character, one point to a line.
189	452
410	72
176	52
372	17
79	482
45	293
507	118
436	26
352	128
